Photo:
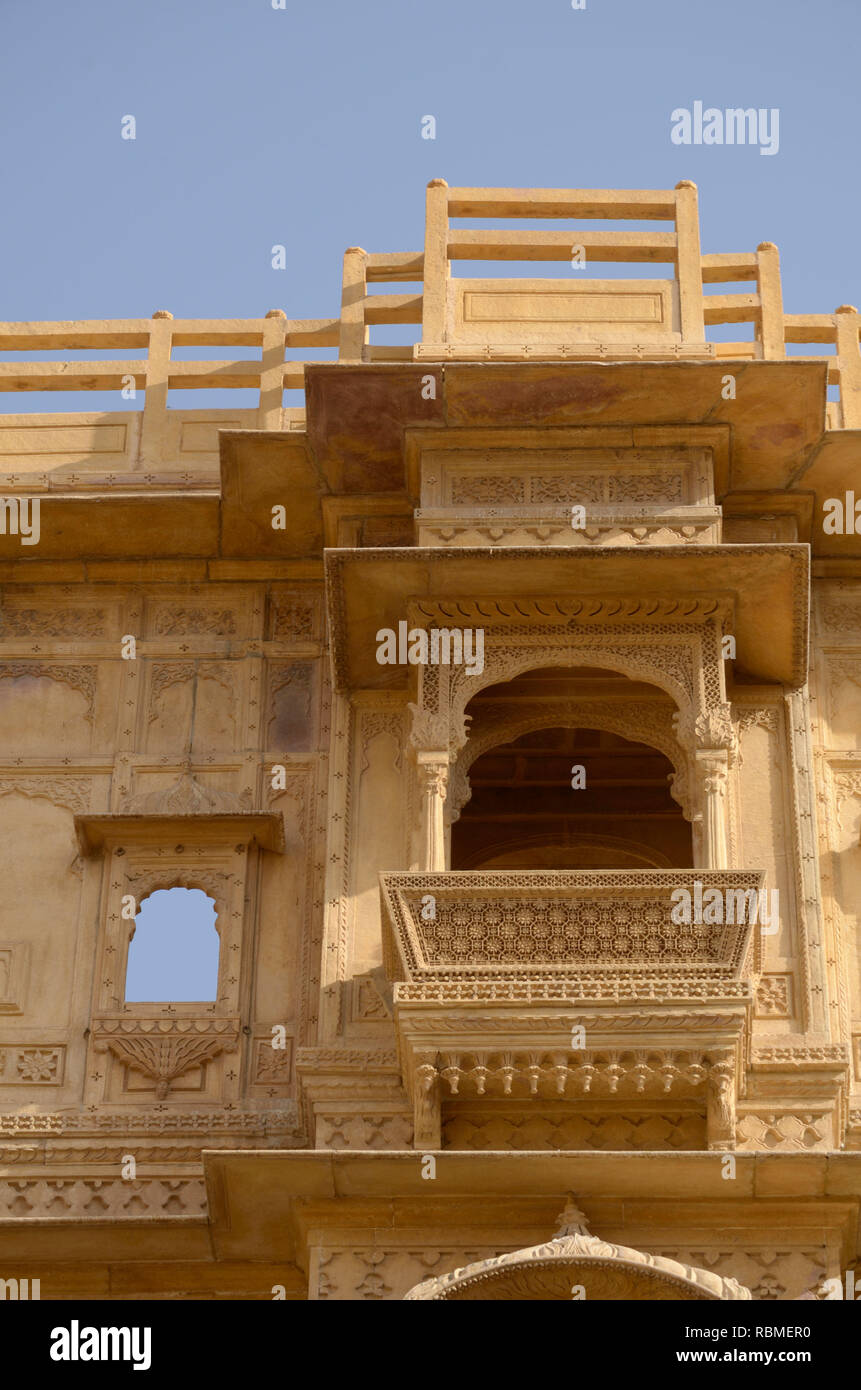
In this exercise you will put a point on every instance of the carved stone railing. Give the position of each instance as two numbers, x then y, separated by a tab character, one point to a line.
528	923
466	319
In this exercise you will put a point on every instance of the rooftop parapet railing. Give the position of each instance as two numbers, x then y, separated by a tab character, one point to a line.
498	319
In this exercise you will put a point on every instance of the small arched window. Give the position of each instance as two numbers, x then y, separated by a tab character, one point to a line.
173	954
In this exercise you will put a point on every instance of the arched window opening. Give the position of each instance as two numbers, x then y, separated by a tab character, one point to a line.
571	798
173	953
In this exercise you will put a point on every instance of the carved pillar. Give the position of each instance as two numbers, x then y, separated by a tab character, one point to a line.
712	766
711	737
720	1112
427	1110
433	782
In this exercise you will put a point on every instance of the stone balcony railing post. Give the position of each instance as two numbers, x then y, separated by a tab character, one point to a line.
154	416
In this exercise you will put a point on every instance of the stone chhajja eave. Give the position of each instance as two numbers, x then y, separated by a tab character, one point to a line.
97	832
776	417
767	587
265	1204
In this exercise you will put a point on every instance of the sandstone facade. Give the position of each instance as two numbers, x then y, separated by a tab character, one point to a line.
455	989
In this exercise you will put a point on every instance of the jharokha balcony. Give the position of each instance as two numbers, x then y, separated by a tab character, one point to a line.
522	994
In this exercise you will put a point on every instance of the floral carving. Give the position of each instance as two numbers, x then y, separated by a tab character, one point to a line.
52	622
38	1064
174	620
492	487
294	617
759	717
164	675
273	1065
773	996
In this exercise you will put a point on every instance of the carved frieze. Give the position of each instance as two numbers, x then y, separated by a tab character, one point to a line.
214	1119
193	619
60	622
66	1199
365	1131
621	1130
771	1131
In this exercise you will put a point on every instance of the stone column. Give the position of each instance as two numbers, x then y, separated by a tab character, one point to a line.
711	769
711	738
433	783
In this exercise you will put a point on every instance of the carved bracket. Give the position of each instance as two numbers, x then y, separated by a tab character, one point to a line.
165	1049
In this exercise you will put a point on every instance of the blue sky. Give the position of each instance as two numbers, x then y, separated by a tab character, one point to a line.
174	951
302	127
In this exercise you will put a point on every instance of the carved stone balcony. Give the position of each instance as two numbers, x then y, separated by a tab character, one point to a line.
587	989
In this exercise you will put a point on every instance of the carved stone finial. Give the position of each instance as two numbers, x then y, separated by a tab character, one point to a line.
162	314
686	183
437	183
846	309
572	1220
188	797
275	314
766	246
